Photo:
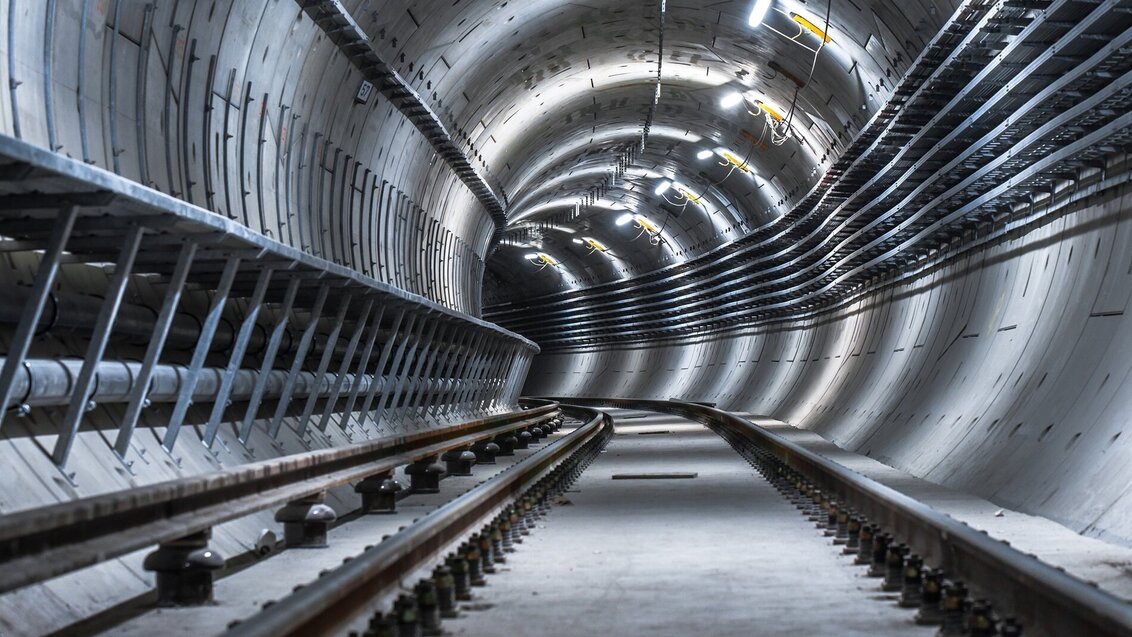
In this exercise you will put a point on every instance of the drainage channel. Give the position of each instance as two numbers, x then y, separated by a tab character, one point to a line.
639	547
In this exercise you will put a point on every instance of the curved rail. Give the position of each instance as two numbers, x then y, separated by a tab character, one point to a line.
1045	598
328	604
46	542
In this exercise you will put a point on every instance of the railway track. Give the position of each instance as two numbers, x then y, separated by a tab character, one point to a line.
177	517
946	571
408	580
503	508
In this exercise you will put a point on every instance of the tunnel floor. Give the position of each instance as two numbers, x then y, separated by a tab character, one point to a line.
721	553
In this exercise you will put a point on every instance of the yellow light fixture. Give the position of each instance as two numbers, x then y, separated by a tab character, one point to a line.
769	110
811	27
646	224
594	244
730	158
543	259
687	194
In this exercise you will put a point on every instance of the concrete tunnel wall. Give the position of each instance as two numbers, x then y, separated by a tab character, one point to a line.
246	109
1006	372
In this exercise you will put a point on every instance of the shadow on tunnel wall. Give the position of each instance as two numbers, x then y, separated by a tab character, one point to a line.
1004	372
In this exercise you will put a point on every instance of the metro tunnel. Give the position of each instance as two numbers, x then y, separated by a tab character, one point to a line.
528	317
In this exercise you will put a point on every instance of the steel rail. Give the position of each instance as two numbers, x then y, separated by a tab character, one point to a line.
49	541
328	604
1048	600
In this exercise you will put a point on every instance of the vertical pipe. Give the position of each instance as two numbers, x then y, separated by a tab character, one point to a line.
48	67
153	351
269	359
237	357
379	371
80	90
324	362
260	141
297	363
112	91
13	83
351	347
103	325
33	310
140	99
207	331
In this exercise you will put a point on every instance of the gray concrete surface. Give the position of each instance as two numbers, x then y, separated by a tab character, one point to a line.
720	554
1004	373
1107	565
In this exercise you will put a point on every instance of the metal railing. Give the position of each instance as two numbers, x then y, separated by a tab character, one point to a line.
261	319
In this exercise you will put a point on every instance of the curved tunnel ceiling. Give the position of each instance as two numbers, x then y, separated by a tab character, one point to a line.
554	99
594	131
930	266
973	133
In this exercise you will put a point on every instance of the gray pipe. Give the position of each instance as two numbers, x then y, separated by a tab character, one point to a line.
49	382
66	312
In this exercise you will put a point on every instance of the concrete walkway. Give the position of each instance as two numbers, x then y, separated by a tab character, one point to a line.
719	554
1107	565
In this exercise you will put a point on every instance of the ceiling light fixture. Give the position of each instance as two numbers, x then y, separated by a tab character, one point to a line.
731	100
758	12
624	219
733	159
811	27
770	111
543	260
663	187
595	245
703	154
